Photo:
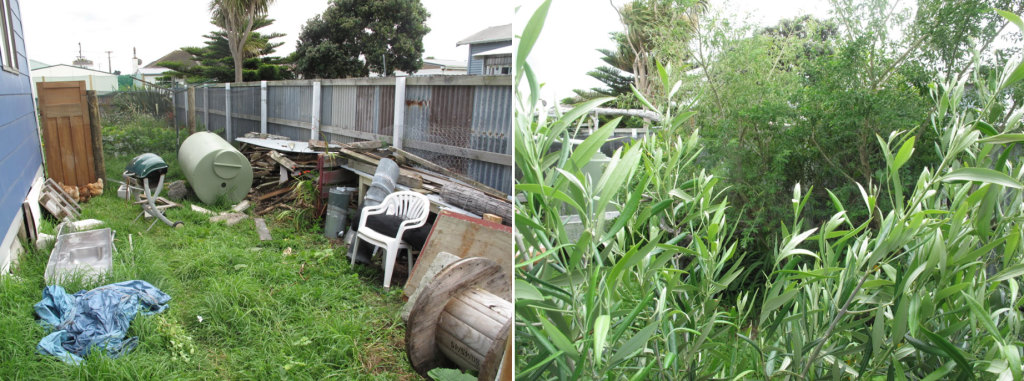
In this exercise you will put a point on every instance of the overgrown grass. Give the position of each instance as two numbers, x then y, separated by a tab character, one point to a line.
291	308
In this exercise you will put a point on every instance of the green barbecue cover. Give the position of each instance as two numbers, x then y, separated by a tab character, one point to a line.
143	165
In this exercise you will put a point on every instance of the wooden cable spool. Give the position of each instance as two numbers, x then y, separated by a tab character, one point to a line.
463	317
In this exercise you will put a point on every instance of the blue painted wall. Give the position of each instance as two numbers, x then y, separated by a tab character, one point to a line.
476	66
20	155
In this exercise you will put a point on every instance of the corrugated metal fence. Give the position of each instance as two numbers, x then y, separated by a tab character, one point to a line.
463	123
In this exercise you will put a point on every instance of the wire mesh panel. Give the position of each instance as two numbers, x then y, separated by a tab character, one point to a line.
180	108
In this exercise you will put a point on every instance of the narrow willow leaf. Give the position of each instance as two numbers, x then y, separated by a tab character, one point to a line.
940	373
1012	17
951	350
526	291
903	155
981	315
985	128
558	338
586	150
531	32
545	190
984	175
634	344
774	303
575	113
1008	273
600	335
1004	138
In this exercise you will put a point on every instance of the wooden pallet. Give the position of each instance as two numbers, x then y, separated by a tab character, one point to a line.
57	202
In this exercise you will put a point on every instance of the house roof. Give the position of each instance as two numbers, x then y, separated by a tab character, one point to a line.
33	64
505	50
175	56
451	64
71	66
491	34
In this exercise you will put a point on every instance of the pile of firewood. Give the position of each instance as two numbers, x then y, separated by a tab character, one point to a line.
84	193
276	176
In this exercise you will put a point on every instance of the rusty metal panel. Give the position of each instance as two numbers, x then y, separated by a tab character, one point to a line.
386	109
451	115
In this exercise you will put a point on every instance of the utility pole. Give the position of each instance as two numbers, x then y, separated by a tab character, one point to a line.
109	68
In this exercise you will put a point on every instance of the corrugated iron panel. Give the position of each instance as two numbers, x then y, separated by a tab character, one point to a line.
492	119
290	102
366	104
451	115
496	176
386	110
217	99
342	106
417	112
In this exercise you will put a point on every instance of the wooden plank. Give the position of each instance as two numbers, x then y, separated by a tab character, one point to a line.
51	140
66	151
493	218
464	237
78	147
469	153
96	132
284	161
274	193
261	228
439	169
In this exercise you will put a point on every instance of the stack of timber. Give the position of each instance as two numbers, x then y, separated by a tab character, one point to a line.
277	173
423	176
277	178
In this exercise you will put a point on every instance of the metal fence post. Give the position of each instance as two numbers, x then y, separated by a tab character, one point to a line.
227	112
398	131
206	107
314	129
263	107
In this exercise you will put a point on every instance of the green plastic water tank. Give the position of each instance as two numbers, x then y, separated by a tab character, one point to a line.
214	168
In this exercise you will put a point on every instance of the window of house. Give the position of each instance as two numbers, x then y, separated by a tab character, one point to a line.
8	50
498	65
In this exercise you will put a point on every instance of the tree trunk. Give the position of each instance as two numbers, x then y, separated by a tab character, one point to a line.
238	66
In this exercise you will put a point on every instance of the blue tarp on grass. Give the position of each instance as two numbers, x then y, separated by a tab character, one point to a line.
95	318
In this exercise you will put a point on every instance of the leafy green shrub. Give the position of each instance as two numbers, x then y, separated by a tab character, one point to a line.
140	134
127	105
928	288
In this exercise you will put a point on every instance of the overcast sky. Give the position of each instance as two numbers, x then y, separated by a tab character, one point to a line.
566	49
53	28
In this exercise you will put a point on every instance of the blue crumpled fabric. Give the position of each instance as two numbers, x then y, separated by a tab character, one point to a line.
97	318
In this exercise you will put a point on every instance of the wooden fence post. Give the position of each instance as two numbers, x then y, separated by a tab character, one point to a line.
227	112
206	107
191	110
398	132
263	107
96	132
314	130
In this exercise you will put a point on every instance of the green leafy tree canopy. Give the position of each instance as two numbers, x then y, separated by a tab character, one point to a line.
354	37
216	63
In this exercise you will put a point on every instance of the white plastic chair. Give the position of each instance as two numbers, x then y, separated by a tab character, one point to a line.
412	207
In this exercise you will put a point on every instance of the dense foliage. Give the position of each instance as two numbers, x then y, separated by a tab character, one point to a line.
217	65
909	270
353	38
